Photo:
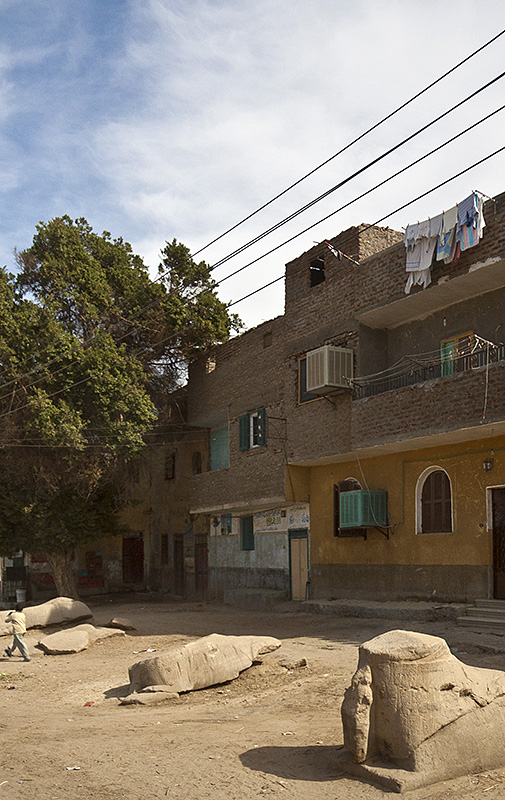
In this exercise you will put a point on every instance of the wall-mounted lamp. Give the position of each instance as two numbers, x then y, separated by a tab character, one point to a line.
488	464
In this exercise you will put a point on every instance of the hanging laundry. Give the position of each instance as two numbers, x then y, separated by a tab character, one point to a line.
421	277
471	221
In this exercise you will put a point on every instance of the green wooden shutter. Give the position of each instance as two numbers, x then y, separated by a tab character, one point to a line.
243	432
262	426
447	355
247	533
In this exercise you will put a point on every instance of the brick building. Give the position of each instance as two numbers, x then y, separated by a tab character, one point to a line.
419	429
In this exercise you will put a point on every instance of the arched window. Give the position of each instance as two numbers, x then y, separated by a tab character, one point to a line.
434	502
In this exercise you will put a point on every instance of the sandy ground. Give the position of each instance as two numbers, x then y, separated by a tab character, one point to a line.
271	732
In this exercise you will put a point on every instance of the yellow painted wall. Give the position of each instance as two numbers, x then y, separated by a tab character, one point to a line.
471	541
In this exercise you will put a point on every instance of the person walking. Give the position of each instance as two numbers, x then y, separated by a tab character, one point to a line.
18	621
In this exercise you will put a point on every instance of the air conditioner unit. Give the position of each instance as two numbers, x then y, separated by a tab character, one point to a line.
363	509
329	368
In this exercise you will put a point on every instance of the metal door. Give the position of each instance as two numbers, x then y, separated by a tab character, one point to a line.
498	496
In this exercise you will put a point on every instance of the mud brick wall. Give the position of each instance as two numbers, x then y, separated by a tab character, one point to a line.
448	403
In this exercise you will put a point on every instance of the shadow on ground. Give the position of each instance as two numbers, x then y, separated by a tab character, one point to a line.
315	763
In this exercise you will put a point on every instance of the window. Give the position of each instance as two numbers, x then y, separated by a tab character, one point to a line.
170	466
252	429
317	274
226	524
246	533
303	395
196	462
456	353
219	448
210	364
267	339
349	485
164	549
434	502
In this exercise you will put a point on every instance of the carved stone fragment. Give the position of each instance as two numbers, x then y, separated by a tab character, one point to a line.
414	714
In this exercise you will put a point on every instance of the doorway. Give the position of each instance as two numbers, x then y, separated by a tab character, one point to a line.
179	565
498	521
299	563
133	560
201	564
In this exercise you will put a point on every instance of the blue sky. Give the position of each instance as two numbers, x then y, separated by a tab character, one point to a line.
157	119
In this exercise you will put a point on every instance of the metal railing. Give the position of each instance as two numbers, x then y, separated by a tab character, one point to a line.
417	370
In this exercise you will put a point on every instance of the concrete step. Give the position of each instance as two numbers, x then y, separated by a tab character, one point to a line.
485	611
498	604
488	621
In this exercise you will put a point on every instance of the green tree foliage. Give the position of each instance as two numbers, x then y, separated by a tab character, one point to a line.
87	341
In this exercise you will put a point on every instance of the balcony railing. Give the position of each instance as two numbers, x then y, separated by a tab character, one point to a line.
427	366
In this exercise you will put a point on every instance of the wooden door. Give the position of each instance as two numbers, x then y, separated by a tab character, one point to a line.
299	564
498	509
179	565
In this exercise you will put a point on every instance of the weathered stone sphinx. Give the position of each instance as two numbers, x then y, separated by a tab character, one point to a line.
415	715
205	662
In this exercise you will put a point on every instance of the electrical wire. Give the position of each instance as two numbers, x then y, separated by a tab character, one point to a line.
367	227
240	269
353	142
355	174
368	191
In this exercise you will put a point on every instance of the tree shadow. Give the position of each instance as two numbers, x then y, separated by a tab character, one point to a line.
313	763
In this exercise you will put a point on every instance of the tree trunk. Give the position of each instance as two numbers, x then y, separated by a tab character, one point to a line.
63	574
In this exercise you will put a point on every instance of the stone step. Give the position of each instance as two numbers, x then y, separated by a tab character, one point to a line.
490	603
485	611
488	621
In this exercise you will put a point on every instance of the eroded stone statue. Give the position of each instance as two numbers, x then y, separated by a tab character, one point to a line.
414	714
205	662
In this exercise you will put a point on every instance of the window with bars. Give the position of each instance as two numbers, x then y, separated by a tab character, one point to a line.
436	503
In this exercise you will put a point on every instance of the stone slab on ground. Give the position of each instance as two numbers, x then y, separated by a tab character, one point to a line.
74	640
148	699
54	612
206	662
121	622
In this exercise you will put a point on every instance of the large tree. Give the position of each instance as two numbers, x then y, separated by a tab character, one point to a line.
88	341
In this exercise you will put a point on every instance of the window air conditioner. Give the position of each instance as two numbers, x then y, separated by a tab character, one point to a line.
329	368
363	508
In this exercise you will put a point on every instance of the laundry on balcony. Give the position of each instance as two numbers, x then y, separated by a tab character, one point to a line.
450	233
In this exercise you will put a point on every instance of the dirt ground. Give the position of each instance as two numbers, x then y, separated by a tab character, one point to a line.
271	732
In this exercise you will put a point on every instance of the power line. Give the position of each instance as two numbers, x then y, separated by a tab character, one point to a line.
354	174
367	227
368	191
354	141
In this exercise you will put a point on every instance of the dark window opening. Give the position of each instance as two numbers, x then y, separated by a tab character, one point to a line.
267	339
303	395
197	462
164	549
317	274
436	503
170	467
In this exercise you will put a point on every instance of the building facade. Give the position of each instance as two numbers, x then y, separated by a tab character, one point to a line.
419	428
